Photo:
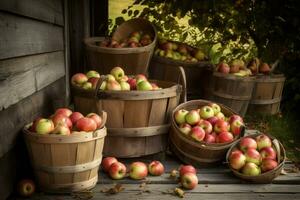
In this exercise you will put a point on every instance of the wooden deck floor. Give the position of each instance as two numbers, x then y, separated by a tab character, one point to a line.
214	183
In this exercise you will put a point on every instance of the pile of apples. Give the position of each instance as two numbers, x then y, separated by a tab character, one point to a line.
208	124
115	81
177	51
64	121
238	68
137	170
254	156
136	39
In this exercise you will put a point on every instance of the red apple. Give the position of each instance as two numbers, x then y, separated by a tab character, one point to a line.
237	160
224	137
247	143
96	118
138	170
223	68
86	124
210	138
236	127
61	129
62	120
117	170
263	141
180	116
206	112
93	81
107	162
220	115
207	127
189	181
132	83
197	133
26	188
140	77
268	153
251	169
75	116
156	168
253	156
65	111
79	79
236	150
187	169
268	164
192	117
213	120
221	126
113	85
185	128
44	126
235	117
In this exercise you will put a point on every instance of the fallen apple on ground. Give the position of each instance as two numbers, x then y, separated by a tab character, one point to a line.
117	170
107	162
156	168
138	170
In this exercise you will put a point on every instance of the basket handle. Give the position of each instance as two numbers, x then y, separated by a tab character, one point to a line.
99	83
103	115
277	147
182	80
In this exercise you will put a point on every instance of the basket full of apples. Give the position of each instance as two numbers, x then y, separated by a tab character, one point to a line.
131	45
66	145
203	131
257	158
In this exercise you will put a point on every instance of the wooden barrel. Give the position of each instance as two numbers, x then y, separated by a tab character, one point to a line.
268	176
197	74
232	91
138	121
64	164
197	153
132	60
266	95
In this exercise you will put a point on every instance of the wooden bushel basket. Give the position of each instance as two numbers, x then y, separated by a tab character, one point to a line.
198	74
197	153
132	60
266	95
232	91
64	164
138	121
268	176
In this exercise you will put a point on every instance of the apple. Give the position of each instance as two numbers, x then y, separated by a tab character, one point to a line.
223	68
197	133
155	86
199	55
117	72
96	118
75	116
140	77
134	40
65	111
264	68
236	150
138	170
132	83
206	112
124	78
252	155
26	188
44	126
124	86
236	127
182	49
235	117
234	68
145	41
117	170
224	137
92	74
166	46
187	169
247	143
86	124
180	116
210	138
213	120
268	153
207	127
103	85
237	64
61	119
156	168
94	82
189	181
87	86
221	126
268	164
251	169
192	117
185	128
113	85
263	141
237	160
61	129
110	77
107	162
216	108
144	86
34	123
79	79
220	115
136	34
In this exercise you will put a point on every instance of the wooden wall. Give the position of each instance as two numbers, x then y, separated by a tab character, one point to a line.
32	71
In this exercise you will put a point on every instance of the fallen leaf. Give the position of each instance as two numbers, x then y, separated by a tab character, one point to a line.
114	190
179	192
86	194
142	185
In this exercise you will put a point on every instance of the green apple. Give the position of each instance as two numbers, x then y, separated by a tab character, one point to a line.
144	86
87	86
117	72
44	126
124	85
92	73
206	112
110	77
199	55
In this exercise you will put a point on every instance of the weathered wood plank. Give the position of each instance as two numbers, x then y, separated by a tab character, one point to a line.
7	174
21	77
48	11
15	117
22	36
